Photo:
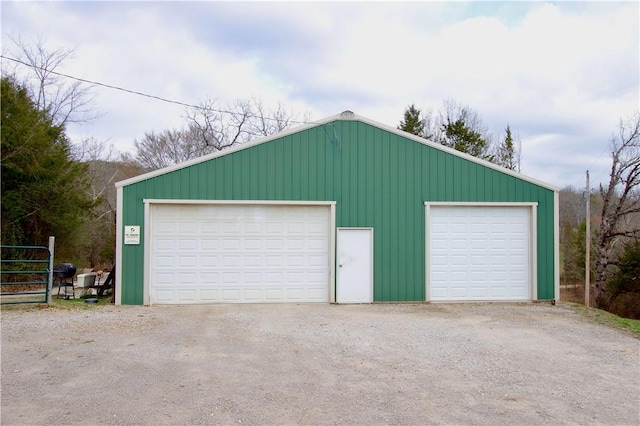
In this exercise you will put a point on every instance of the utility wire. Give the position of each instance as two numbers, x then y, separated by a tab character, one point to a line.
135	92
600	174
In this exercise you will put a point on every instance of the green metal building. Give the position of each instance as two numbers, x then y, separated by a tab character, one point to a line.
343	210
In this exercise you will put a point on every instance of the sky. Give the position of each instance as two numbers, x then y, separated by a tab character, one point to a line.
560	74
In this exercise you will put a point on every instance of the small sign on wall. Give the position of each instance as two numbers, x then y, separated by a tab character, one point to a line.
131	234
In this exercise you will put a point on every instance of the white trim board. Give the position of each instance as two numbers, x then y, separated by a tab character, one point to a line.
119	241
556	245
479	204
240	202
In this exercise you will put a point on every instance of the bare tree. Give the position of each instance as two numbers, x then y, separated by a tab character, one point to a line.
218	128
266	122
211	128
621	202
62	100
237	123
158	150
572	234
105	167
91	149
572	206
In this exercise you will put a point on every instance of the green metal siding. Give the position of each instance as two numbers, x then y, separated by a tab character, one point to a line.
378	179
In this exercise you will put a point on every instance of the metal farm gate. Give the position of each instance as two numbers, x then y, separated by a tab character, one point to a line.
26	274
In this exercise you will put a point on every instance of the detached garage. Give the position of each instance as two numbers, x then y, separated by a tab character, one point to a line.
343	210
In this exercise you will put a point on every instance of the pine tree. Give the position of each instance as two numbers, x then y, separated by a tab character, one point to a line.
508	153
462	129
413	121
459	136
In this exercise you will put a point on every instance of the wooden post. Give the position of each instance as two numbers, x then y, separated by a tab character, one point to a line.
587	261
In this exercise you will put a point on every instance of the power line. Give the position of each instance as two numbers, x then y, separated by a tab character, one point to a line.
135	92
599	157
602	172
599	175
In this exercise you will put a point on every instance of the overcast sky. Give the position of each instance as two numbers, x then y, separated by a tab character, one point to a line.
560	74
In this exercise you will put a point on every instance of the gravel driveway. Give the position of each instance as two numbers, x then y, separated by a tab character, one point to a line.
498	364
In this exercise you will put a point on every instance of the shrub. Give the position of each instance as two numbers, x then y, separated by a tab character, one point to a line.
627	277
626	305
624	285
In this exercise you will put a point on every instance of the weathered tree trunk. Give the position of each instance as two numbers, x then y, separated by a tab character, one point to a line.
620	200
599	297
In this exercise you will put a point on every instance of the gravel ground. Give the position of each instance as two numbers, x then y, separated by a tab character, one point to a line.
498	364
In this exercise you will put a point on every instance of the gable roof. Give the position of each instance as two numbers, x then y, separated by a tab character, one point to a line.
345	116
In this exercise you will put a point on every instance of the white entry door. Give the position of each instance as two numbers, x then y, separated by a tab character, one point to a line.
355	265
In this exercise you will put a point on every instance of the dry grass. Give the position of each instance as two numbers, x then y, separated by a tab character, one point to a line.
575	296
572	294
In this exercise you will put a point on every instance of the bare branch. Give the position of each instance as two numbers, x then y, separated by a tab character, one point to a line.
630	233
211	128
63	102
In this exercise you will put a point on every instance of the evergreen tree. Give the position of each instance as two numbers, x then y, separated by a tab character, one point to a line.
44	192
627	276
413	122
459	136
573	243
508	154
462	129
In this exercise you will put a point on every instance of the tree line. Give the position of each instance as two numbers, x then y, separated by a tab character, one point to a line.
460	127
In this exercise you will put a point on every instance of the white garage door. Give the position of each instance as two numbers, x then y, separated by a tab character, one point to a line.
239	254
479	253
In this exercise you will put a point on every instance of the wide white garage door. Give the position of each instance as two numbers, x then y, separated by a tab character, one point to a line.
479	253
238	254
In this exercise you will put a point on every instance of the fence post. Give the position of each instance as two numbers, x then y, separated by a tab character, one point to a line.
52	241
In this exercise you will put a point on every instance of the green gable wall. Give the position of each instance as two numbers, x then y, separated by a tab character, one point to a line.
378	179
